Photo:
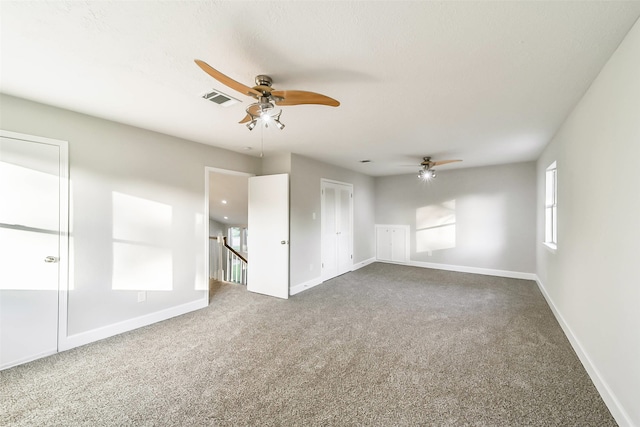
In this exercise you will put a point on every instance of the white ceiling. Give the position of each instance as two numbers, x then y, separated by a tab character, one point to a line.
487	82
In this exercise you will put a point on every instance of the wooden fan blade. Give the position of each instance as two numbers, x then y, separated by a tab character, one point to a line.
444	162
262	89
297	97
246	119
226	80
254	110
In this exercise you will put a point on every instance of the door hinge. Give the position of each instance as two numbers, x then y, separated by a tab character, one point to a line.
323	265
352	256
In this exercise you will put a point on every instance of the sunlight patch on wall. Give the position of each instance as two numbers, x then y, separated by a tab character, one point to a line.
436	227
201	283
485	238
142	256
27	211
29	229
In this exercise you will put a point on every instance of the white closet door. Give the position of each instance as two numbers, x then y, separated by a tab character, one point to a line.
329	232
345	239
398	244
337	229
383	243
30	190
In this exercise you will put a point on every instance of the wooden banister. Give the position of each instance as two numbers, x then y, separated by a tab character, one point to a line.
233	251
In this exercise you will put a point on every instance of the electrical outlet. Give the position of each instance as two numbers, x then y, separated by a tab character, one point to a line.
142	296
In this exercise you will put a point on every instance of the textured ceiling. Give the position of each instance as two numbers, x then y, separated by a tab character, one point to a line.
487	82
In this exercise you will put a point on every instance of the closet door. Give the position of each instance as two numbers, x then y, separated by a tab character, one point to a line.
392	243
337	228
398	245
329	232
344	257
383	243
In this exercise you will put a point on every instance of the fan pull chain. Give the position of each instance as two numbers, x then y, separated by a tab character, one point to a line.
262	141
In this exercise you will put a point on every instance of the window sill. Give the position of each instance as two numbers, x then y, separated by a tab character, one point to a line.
552	247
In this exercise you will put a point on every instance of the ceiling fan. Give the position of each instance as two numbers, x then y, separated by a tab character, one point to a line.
266	97
427	172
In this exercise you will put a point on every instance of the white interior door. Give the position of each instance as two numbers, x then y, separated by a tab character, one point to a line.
31	197
337	226
268	241
329	232
345	240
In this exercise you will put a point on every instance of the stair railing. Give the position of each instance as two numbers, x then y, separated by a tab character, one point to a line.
236	265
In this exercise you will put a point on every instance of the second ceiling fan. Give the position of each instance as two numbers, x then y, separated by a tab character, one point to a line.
266	97
427	172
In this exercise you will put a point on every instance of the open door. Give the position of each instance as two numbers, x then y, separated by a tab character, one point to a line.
268	241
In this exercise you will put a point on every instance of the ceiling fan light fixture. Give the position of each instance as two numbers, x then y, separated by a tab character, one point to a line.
426	174
252	124
277	121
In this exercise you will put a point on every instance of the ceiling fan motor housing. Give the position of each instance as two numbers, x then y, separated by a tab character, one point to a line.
262	80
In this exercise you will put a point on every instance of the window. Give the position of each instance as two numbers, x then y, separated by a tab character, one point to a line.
551	207
237	238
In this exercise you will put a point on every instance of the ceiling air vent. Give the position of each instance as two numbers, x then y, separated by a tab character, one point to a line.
220	98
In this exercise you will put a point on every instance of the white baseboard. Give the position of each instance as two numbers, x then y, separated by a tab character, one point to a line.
117	328
475	270
304	286
616	409
318	280
361	264
28	359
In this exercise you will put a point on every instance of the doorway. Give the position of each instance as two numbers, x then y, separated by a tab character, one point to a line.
226	194
258	206
337	228
34	245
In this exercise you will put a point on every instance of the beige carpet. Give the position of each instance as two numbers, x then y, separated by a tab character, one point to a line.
385	345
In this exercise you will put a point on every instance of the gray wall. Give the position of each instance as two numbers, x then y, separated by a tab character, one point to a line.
117	172
305	231
215	228
276	163
494	210
593	279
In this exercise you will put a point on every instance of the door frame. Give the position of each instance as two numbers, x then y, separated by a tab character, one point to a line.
63	237
324	181
208	170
